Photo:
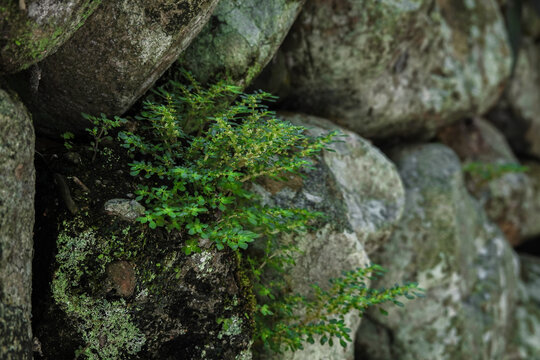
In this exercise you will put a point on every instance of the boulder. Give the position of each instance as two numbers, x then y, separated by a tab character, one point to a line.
240	39
389	68
493	174
31	30
360	192
517	114
17	178
446	243
112	60
525	343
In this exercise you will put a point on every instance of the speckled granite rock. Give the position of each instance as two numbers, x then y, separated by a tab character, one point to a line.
531	225
361	194
384	68
33	29
493	175
112	60
240	39
17	178
525	343
469	271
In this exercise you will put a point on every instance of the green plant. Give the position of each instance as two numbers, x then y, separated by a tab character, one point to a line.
487	171
198	155
285	321
67	136
195	155
101	129
196	180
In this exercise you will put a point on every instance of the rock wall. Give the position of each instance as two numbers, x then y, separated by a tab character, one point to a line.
436	178
445	242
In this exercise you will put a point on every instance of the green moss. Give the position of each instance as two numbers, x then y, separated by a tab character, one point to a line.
28	41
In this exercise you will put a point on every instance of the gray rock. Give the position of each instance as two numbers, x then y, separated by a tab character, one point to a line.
384	68
525	343
360	192
240	39
17	189
34	29
127	209
445	243
517	115
113	59
493	175
531	225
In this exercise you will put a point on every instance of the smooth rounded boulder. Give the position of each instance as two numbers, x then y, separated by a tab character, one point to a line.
122	49
385	68
240	39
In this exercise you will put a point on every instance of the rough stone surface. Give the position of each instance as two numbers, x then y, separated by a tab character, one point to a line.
446	244
531	225
126	209
517	114
119	53
240	39
17	178
526	340
505	195
360	192
397	67
121	275
531	19
29	34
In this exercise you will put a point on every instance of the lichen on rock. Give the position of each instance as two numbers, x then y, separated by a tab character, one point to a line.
385	68
29	35
240	39
133	42
446	243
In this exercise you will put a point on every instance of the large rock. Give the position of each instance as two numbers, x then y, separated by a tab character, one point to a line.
385	68
526	340
360	192
240	39
111	61
17	178
444	242
31	30
493	175
517	114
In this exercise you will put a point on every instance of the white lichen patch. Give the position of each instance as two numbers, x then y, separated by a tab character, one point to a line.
43	11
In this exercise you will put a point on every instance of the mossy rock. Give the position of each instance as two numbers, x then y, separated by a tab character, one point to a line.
32	30
445	243
123	48
240	39
122	290
387	68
